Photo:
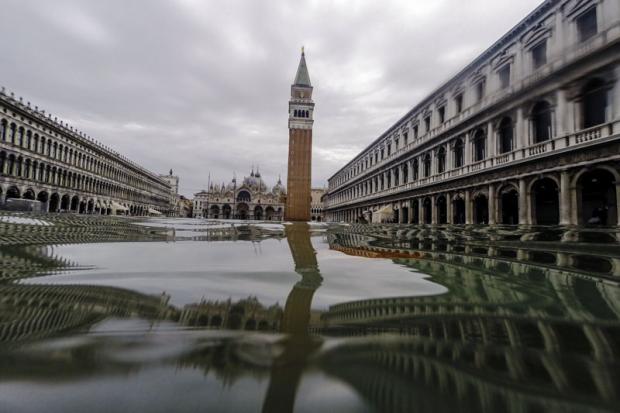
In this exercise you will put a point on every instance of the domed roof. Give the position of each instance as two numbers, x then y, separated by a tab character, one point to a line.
255	182
278	189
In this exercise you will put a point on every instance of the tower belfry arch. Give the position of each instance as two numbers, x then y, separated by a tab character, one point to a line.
300	121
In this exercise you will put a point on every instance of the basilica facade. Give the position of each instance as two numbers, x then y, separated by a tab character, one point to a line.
526	133
249	199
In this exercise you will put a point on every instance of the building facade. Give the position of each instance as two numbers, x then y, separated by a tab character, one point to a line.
527	133
252	199
44	159
300	121
173	197
317	210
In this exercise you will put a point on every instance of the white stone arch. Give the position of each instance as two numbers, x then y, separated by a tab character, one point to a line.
575	196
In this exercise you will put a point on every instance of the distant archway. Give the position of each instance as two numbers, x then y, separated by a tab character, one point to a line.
269	213
65	203
509	206
29	194
545	202
13	192
428	211
258	213
243	211
596	198
442	210
43	197
226	211
214	212
481	209
75	202
54	202
458	214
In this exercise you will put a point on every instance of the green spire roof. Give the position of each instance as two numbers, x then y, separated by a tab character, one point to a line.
302	78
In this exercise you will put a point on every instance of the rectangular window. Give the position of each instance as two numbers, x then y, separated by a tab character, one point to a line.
586	24
415	132
427	123
504	77
405	137
458	101
539	54
442	114
389	149
480	86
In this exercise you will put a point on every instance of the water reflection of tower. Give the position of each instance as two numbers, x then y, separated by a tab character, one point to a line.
289	366
297	309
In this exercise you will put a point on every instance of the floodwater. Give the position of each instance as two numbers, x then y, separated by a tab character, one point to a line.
105	314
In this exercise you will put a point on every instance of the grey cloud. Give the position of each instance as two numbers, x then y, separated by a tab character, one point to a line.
202	86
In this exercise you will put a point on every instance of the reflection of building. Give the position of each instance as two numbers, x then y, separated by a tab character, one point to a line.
527	133
44	159
249	200
300	120
522	327
317	212
32	312
247	314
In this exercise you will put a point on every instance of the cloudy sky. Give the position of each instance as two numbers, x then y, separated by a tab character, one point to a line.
202	86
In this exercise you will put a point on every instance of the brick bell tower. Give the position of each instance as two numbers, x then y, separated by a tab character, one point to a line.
300	110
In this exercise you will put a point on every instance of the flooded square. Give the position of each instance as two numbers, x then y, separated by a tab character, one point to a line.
189	315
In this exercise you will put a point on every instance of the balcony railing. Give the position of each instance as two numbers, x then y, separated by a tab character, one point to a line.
582	137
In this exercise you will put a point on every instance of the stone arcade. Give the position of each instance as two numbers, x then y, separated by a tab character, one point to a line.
527	133
46	160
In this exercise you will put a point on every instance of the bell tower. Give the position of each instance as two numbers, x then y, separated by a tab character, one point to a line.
300	120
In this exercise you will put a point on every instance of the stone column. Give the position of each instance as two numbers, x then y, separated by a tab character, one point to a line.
561	112
519	133
617	206
565	198
492	203
523	209
468	207
467	148
616	101
420	211
449	218
491	142
433	210
410	203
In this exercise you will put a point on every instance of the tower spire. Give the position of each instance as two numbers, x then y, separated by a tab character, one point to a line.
302	78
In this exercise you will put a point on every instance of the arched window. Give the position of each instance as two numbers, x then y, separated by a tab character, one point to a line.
459	152
427	165
594	103
505	135
295	112
405	172
12	133
541	121
3	126
20	139
416	170
479	146
441	160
